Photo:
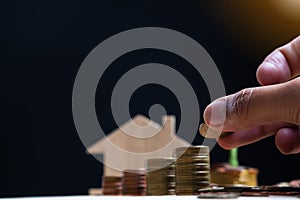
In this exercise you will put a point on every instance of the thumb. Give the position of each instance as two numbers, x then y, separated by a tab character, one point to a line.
256	106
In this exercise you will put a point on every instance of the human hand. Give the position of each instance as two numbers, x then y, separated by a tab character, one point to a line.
274	108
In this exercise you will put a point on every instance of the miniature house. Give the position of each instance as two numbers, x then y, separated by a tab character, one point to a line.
134	142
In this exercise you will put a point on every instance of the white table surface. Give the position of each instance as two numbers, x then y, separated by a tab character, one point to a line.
143	198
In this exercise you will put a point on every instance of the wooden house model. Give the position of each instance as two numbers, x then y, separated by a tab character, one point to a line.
134	142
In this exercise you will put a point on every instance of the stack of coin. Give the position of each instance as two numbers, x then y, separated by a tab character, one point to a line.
160	176
112	185
134	182
192	169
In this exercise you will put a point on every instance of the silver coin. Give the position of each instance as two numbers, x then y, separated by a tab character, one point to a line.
218	195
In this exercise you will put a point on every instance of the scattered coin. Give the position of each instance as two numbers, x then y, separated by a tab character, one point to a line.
281	191
255	194
294	183
219	195
257	191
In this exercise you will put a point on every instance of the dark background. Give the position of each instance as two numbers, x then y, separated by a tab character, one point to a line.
43	44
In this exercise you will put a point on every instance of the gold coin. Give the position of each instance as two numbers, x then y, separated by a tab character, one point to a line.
206	132
192	150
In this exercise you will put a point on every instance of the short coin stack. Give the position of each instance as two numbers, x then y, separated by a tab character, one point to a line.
192	169
160	176
224	174
112	185
134	182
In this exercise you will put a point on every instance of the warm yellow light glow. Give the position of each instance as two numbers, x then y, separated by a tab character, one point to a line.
290	8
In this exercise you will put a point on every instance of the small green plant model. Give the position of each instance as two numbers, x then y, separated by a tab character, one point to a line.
233	157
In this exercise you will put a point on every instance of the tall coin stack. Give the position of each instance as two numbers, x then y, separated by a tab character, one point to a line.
192	169
134	182
112	185
160	176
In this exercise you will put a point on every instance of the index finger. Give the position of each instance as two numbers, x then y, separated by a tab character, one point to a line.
281	65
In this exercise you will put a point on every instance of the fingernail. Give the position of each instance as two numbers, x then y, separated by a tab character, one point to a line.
215	113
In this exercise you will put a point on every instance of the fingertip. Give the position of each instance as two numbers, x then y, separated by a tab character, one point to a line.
268	74
274	69
288	140
207	115
215	113
226	143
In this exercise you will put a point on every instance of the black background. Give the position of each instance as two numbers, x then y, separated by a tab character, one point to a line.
43	44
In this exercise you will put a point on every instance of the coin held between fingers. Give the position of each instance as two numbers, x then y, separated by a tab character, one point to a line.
207	132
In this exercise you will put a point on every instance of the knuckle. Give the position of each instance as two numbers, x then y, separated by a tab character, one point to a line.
275	58
240	103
